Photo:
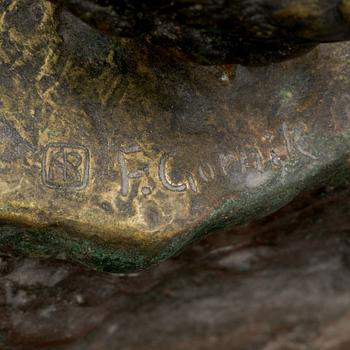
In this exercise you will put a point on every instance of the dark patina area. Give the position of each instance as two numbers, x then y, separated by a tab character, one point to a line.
250	32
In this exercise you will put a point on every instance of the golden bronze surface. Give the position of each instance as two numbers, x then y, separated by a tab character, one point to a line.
104	142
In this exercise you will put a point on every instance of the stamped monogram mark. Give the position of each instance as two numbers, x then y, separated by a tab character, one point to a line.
65	166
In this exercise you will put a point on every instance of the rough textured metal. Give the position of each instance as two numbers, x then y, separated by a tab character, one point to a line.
118	158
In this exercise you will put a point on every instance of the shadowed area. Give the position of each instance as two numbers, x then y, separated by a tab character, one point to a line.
251	32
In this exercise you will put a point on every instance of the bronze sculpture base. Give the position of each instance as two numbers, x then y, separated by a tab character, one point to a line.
118	158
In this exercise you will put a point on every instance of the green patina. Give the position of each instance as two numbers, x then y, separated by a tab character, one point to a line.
63	82
95	254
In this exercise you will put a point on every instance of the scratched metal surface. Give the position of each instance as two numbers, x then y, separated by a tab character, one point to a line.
118	158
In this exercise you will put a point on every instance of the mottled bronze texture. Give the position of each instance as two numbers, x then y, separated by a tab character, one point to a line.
251	32
118	157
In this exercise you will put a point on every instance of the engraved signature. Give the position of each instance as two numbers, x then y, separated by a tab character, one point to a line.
67	166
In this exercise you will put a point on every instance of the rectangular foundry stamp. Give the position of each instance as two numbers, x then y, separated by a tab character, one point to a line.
65	166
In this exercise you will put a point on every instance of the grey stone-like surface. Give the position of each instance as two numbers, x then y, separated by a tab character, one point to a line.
281	283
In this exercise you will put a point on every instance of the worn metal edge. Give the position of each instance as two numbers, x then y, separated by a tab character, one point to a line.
96	254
